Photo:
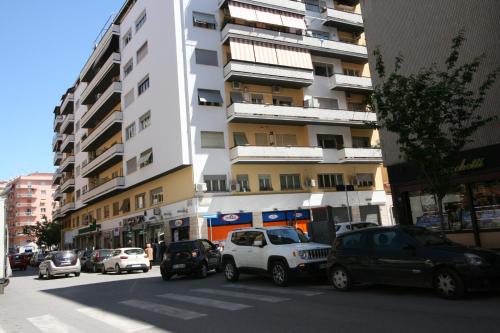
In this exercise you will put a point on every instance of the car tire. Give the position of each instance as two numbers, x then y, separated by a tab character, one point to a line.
117	269
203	272
165	276
145	270
77	274
49	276
66	275
231	272
448	284
104	271
279	273
340	279
40	275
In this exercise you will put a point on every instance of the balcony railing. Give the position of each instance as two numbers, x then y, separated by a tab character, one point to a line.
351	83
357	155
68	143
56	179
67	207
104	104
295	6
68	184
68	162
67	125
102	187
107	73
344	20
57	158
276	154
56	141
67	104
109	157
105	130
57	122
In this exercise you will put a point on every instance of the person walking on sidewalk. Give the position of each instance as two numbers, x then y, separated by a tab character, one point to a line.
149	253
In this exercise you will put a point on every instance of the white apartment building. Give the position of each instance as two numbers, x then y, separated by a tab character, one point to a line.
191	118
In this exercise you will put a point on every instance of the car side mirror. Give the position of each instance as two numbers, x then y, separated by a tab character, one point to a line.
258	243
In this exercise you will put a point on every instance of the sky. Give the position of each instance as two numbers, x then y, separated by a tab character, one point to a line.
43	46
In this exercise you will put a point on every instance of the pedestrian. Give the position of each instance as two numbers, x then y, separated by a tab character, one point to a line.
149	253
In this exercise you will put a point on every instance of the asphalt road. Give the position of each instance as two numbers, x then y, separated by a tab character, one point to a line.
143	302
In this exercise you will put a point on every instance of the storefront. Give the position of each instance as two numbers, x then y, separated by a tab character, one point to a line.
221	224
295	218
179	229
133	231
88	237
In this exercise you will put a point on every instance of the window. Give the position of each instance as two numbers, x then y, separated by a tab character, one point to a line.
265	183
353	241
98	214
284	140
240	139
257	98
142	52
330	141
116	208
243	184
125	208
143	86
320	34
43	192
129	66
156	196
388	241
364	179
146	158
140	21
132	165
129	98
127	37
209	97
106	212
202	20
145	120
290	182
261	139
216	183
323	103
140	201
351	72
282	100
321	69
313	5
212	139
360	142
130	131
206	57
330	180
43	210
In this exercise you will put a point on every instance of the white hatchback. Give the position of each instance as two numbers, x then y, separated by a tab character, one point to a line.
126	259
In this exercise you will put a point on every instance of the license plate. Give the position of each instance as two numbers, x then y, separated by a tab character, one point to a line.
65	263
178	266
321	266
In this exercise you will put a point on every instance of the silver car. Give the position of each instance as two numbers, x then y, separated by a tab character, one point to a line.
59	263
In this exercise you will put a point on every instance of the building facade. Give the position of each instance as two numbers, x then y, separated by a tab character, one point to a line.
28	201
191	118
472	209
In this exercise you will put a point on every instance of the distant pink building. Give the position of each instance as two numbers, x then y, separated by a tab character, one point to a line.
29	200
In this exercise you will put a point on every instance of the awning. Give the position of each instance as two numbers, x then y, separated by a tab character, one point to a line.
293	57
242	49
242	11
292	20
265	53
204	18
267	15
210	96
144	158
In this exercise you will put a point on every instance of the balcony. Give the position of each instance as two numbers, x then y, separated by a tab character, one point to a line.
68	163
108	73
56	141
109	42
343	20
283	5
360	155
56	179
68	143
67	208
267	74
272	154
103	187
345	51
103	132
58	122
67	105
57	196
104	104
359	84
67	124
57	158
109	157
25	195
68	185
264	113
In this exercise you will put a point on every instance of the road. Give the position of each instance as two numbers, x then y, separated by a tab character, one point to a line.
143	302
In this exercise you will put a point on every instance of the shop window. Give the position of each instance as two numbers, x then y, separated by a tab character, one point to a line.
265	183
140	201
116	208
290	182
487	204
156	196
330	180
330	141
242	183
216	183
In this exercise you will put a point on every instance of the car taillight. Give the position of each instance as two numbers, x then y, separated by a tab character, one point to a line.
73	261
97	257
123	257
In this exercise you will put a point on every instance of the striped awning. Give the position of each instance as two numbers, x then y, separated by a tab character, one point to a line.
242	11
293	57
265	53
266	15
241	49
292	20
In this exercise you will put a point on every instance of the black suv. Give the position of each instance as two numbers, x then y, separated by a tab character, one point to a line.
411	256
190	257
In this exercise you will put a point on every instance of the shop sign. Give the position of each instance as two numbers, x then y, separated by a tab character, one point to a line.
179	223
133	220
274	216
116	232
230	219
298	215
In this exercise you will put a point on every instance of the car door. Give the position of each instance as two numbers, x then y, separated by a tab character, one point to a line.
258	254
113	259
211	253
44	265
353	252
241	249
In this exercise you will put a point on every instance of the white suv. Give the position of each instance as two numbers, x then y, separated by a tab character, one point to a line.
279	251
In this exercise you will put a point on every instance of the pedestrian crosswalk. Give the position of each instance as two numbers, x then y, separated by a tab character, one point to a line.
194	304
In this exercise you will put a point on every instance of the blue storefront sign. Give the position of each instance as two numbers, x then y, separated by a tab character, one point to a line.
290	215
179	223
298	215
274	216
230	219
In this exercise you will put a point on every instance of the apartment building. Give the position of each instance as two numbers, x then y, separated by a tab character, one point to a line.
28	200
191	118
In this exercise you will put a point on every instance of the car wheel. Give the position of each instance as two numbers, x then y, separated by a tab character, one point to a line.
117	269
280	274
165	276
94	269
66	275
340	279
49	276
77	274
40	275
104	271
145	270
203	272
448	284
230	271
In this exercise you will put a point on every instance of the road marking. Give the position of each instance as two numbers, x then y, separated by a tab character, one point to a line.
256	297
206	302
163	309
277	290
49	323
121	323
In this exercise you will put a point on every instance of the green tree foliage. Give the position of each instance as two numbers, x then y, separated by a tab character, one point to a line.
433	113
45	233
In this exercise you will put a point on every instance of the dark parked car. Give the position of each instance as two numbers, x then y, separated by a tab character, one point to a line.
190	257
411	256
84	255
19	261
94	263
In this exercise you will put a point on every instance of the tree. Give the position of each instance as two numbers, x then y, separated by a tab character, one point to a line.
45	233
433	113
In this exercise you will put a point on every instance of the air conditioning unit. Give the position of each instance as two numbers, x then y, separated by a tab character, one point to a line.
200	187
236	85
276	89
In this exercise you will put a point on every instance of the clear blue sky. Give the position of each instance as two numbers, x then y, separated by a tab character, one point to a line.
44	44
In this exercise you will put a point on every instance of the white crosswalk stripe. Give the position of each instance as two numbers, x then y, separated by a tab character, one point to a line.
121	323
236	294
230	306
163	309
2	330
49	323
285	291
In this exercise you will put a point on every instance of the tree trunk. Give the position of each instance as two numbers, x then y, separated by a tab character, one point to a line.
440	210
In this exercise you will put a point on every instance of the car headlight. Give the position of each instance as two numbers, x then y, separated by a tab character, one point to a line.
304	255
473	259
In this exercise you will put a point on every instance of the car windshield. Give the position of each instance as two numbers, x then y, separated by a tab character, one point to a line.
427	237
134	251
286	236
